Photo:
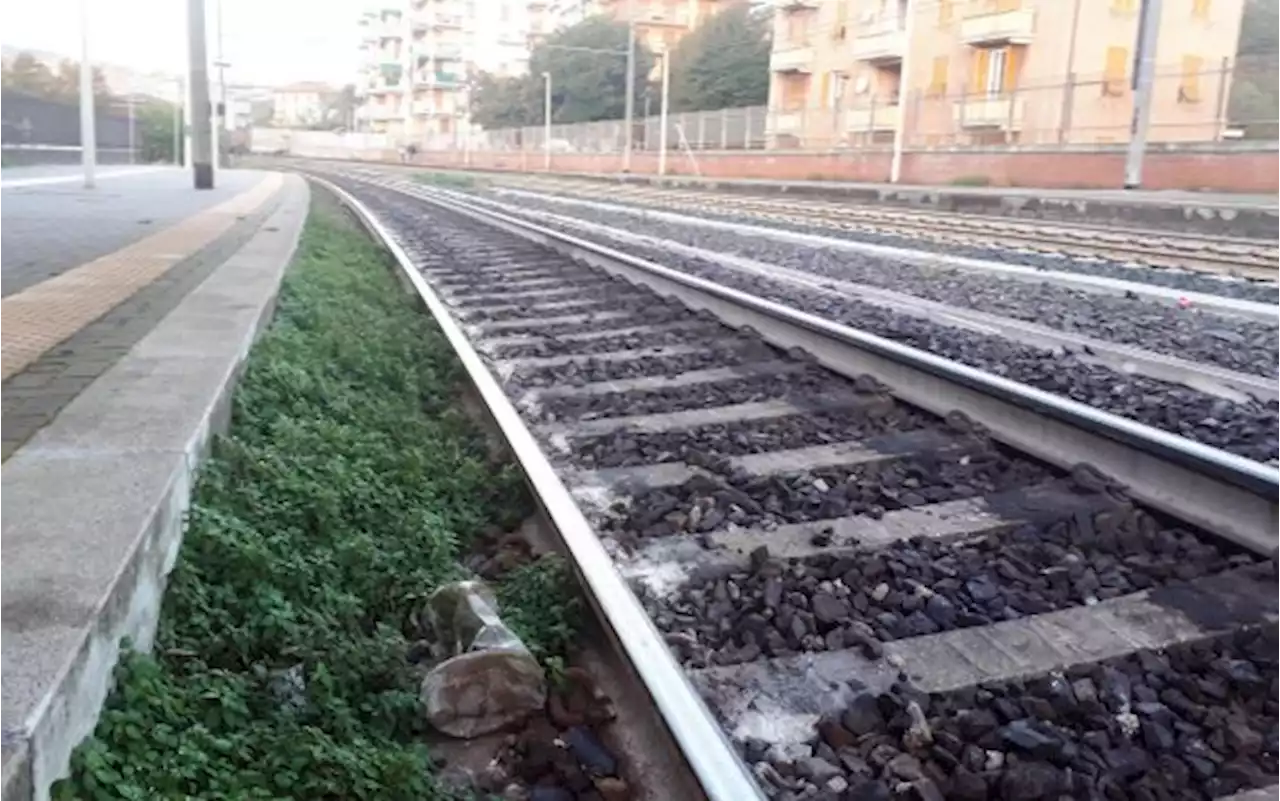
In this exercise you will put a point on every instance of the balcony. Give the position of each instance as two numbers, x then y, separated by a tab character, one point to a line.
792	59
1004	113
872	118
787	122
658	18
799	5
439	80
446	21
999	28
881	40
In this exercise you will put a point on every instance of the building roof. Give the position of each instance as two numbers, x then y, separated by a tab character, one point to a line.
317	87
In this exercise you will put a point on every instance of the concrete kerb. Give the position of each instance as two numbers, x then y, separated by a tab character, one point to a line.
95	503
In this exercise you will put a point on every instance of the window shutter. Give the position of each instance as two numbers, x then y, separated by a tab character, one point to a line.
1189	90
1012	60
978	77
938	80
944	12
824	96
1117	67
1200	9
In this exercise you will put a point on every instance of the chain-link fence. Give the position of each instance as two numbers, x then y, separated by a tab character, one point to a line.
1191	102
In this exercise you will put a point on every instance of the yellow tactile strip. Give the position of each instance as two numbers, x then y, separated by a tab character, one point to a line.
40	317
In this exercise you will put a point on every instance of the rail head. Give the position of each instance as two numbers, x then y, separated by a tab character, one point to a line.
711	758
1226	494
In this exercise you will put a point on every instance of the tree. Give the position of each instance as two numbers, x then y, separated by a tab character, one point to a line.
503	102
724	63
1255	92
588	68
29	75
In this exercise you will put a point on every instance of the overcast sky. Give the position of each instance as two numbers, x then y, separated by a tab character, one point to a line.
266	41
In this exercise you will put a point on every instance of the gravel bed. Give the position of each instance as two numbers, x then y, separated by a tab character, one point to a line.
649	315
1232	343
710	502
658	337
627	448
591	371
1238	288
1248	429
1196	721
925	586
812	385
534	310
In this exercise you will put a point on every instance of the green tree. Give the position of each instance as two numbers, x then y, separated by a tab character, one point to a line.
155	127
67	83
588	68
724	63
29	75
1255	91
504	102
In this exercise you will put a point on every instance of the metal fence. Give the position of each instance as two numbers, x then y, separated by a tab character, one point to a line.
41	130
1211	103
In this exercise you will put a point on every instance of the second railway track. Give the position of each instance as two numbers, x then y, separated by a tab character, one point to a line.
1225	256
885	574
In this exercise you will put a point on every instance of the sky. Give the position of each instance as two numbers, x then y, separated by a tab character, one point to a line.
266	41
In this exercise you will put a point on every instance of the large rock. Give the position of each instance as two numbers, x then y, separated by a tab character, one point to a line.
491	681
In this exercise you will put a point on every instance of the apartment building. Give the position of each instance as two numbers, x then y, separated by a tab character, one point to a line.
302	104
972	72
660	24
418	57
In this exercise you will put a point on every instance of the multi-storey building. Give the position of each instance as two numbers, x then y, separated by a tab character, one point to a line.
962	72
419	57
660	24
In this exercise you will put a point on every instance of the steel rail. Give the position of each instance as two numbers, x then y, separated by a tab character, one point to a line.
1231	496
711	758
1019	272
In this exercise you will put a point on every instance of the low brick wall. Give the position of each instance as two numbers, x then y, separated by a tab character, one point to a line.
1245	169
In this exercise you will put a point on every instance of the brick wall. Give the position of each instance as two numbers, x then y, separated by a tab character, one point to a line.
1248	170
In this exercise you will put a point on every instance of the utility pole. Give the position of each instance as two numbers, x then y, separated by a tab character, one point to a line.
132	124
1143	80
546	122
630	101
178	114
88	136
900	130
662	114
201	122
220	108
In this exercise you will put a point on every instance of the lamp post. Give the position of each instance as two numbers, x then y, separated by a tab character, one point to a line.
88	135
662	112
546	122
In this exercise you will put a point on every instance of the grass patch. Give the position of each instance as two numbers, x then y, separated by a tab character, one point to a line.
346	487
971	180
541	605
449	180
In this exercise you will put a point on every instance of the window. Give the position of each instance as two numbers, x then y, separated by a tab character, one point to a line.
1117	67
1200	9
1124	6
944	12
1189	89
938	77
842	19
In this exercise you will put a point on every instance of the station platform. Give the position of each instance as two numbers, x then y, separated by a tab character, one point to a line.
127	311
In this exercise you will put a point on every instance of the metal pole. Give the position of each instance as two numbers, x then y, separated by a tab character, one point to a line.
1144	78
219	108
201	133
900	130
630	101
546	122
88	136
178	106
132	136
662	113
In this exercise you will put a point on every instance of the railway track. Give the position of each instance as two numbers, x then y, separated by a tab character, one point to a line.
848	569
1225	256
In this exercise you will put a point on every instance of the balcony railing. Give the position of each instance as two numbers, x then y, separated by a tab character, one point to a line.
792	59
873	117
883	39
1003	112
999	27
787	121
